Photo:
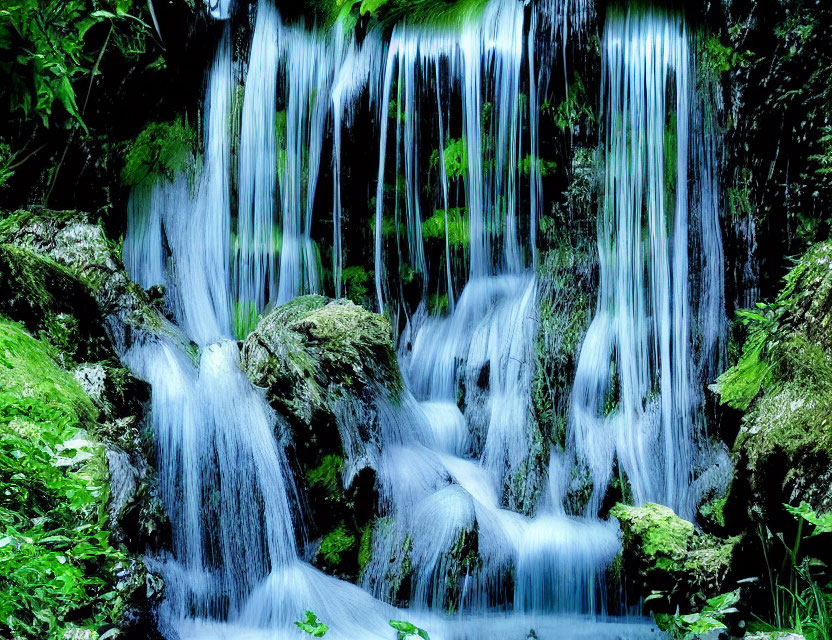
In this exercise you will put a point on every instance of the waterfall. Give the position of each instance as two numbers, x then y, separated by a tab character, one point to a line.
638	353
455	446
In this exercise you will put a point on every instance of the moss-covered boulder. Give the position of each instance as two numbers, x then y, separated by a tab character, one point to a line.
666	557
63	279
72	240
304	348
47	298
324	364
782	383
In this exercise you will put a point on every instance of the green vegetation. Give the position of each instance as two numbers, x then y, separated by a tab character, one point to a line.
365	546
456	158
545	167
335	543
161	150
573	110
56	562
721	58
325	475
408	631
311	625
681	564
47	39
787	341
433	228
800	602
357	282
448	13
693	625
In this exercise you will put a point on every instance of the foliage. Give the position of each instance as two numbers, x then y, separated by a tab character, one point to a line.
365	546
715	510
46	40
456	158
796	322
438	303
244	318
311	625
161	150
408	630
433	228
357	282
799	601
55	555
693	625
335	543
545	167
721	58
325	475
574	109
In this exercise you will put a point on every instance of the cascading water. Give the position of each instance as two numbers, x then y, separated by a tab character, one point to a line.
638	354
457	441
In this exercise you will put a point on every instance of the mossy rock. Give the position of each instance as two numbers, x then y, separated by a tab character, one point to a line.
73	241
324	363
783	384
301	349
665	555
48	299
55	487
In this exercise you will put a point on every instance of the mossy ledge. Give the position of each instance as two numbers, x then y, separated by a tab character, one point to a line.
666	557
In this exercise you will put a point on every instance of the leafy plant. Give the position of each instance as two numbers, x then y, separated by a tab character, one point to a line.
408	630
311	625
799	601
47	38
56	560
693	625
433	228
335	543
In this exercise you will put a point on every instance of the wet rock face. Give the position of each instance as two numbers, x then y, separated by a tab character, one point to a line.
663	553
323	364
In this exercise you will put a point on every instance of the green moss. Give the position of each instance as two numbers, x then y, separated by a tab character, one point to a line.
573	110
433	228
56	563
28	372
335	543
161	150
365	548
662	535
325	475
305	350
45	296
665	555
357	283
714	510
456	158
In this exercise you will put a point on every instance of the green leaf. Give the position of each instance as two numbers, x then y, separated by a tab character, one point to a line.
406	629
311	625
